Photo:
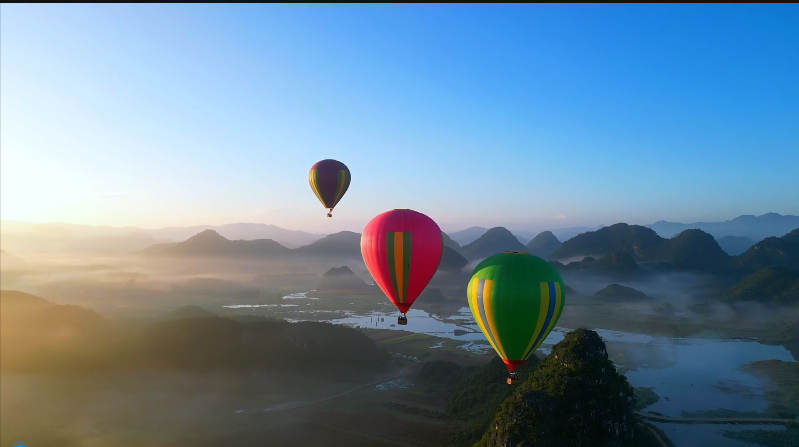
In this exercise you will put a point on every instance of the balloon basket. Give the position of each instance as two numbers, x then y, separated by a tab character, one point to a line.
402	320
512	378
329	214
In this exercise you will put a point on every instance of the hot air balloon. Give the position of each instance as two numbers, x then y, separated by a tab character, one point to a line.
516	299
329	180
402	250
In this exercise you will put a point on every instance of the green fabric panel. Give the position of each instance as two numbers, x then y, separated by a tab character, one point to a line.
392	271
406	262
516	297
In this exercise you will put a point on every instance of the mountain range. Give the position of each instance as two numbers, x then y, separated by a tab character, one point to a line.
209	243
616	249
25	237
236	231
692	250
469	235
22	237
752	227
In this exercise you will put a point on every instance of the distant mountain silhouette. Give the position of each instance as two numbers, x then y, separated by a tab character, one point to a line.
640	242
563	234
467	236
618	293
340	278
770	252
772	285
735	245
691	249
341	244
191	311
345	244
209	243
543	244
495	240
449	242
239	231
753	227
20	237
452	261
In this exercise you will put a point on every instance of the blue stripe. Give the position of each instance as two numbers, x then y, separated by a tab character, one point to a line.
482	310
553	295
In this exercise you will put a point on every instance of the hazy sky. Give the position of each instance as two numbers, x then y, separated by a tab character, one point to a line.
540	116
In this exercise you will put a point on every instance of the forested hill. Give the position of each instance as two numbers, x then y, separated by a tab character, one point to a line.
573	397
65	339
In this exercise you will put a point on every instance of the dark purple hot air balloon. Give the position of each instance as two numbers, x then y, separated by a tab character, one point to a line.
329	180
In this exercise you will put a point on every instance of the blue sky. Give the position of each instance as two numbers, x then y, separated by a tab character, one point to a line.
540	116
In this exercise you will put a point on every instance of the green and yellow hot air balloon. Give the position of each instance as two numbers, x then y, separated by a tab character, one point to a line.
516	299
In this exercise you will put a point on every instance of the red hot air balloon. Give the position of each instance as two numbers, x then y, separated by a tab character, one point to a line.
329	180
402	250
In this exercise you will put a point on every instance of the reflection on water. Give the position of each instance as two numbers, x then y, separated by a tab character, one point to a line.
706	375
396	384
709	435
300	296
253	306
418	321
477	348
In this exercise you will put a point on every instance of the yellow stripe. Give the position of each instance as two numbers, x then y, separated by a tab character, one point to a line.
314	186
560	301
476	313
398	239
490	315
542	314
342	177
558	297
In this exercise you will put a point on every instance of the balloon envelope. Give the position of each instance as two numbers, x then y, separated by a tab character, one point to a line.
329	180
402	250
516	299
